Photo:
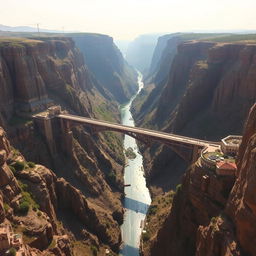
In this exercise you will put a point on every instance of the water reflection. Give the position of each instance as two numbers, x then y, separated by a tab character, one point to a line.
137	197
130	250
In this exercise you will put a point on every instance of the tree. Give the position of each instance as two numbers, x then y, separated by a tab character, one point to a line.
12	252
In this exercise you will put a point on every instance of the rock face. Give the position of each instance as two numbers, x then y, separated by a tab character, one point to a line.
228	72
207	85
11	194
242	201
36	73
31	67
140	51
217	74
107	64
158	54
162	71
213	215
54	196
8	184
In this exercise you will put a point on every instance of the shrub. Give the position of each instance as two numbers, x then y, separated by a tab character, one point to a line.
19	166
31	165
94	250
12	169
16	152
27	197
23	186
52	244
6	207
152	210
178	187
12	252
214	220
23	207
25	203
145	236
111	177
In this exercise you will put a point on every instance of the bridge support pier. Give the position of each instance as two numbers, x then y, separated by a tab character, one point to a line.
66	136
187	148
44	123
195	153
190	154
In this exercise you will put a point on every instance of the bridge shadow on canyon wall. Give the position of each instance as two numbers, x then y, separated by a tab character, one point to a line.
135	205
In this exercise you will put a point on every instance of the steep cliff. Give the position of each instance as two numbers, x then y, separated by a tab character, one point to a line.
49	198
160	72
31	69
230	63
208	83
40	72
107	64
229	73
214	217
161	46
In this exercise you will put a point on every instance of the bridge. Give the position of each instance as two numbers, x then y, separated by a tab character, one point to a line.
186	147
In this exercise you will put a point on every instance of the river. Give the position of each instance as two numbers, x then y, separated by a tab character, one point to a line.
137	197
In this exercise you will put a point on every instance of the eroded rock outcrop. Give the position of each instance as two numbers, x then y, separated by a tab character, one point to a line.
242	202
36	73
107	64
53	196
30	67
207	85
213	215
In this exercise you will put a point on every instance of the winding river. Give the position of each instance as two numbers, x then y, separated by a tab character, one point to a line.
137	197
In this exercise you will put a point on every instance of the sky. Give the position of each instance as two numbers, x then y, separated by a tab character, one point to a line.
126	19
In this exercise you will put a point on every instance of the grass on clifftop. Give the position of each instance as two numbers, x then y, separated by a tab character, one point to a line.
17	42
245	38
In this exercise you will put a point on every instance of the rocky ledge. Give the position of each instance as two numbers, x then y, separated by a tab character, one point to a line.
211	214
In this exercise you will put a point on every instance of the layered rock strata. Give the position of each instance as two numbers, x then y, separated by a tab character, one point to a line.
210	214
207	85
39	72
41	226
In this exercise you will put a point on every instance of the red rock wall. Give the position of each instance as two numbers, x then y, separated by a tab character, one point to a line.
210	90
221	89
241	206
216	219
29	70
55	196
32	73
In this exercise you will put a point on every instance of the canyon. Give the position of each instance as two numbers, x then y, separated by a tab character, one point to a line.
205	220
207	84
207	93
79	190
69	201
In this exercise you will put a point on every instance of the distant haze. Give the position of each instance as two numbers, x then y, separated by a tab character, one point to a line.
139	52
126	19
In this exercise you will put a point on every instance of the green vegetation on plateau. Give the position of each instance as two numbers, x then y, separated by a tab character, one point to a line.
156	215
249	38
17	42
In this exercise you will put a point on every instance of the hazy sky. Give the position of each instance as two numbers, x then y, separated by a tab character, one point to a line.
125	19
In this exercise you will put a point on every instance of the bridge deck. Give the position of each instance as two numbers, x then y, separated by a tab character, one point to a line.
157	135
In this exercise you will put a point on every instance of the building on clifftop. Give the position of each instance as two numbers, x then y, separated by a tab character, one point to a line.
230	144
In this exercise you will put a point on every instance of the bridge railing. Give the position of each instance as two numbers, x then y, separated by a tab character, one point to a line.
69	117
